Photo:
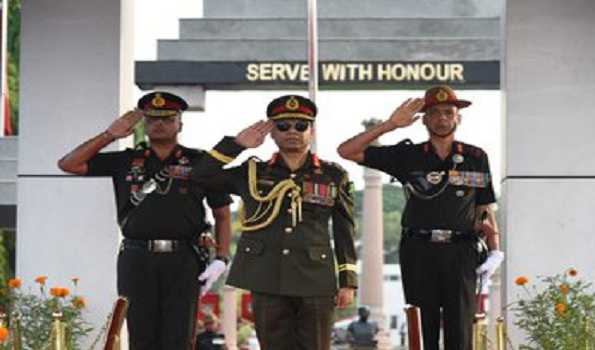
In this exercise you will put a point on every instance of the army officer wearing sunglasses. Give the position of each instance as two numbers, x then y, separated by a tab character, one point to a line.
284	256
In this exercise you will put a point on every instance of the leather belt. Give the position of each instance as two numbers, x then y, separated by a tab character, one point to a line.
439	235
154	245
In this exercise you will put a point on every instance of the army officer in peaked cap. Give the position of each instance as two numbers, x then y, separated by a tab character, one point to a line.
161	217
284	256
449	192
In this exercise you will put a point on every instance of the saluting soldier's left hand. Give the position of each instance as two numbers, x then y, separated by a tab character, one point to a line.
254	135
344	297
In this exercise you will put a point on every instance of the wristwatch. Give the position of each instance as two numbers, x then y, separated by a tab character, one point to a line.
222	258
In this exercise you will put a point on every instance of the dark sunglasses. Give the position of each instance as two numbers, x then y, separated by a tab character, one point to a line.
166	120
298	125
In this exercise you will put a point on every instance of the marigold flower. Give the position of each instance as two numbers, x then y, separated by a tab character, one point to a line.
79	302
560	309
564	288
572	272
59	292
41	279
521	280
3	333
15	282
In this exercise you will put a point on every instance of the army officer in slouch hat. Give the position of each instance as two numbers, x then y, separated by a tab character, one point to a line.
449	197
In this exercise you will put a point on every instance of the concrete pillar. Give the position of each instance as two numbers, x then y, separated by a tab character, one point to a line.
229	320
549	182
76	78
371	274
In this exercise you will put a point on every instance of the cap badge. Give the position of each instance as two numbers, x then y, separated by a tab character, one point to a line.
441	96
158	101
292	104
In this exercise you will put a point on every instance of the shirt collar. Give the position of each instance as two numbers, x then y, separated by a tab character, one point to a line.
312	160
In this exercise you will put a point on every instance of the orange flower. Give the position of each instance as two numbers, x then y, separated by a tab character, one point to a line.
79	302
572	272
15	282
3	334
561	309
41	279
59	292
564	288
521	280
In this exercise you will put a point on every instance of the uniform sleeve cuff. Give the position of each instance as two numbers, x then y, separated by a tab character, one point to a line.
347	276
226	150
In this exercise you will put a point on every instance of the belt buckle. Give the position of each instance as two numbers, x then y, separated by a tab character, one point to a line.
161	246
441	236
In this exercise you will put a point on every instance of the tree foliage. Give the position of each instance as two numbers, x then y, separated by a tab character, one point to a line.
13	51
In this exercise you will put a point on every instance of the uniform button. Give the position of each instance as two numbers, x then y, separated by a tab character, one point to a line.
247	250
289	210
285	251
323	256
290	195
288	230
292	176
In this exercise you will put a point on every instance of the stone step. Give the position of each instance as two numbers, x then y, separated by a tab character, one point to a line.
353	8
438	49
295	28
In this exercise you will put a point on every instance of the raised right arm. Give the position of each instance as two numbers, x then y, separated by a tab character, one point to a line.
76	161
208	171
405	115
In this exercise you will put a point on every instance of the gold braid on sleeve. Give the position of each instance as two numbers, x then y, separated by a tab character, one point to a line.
269	205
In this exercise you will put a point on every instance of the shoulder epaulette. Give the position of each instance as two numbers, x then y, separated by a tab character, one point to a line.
192	151
334	165
403	144
471	150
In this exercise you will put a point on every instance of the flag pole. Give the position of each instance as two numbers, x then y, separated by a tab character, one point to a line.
3	63
313	58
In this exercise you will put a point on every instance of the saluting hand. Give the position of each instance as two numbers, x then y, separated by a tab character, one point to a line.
254	135
344	297
405	114
124	125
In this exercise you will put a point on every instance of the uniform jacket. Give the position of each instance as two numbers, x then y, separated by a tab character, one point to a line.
281	258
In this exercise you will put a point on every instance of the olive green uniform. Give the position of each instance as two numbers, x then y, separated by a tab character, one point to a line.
286	255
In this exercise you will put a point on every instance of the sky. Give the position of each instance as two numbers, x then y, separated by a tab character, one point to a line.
340	112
